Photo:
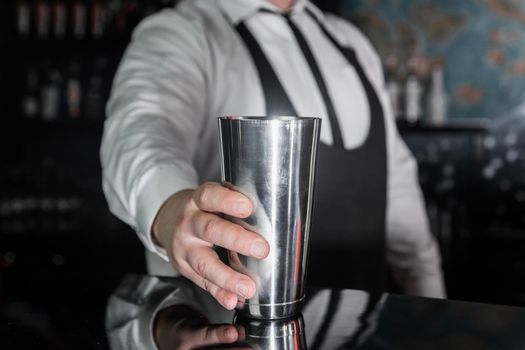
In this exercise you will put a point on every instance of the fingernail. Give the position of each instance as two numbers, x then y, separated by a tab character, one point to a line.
241	207
231	303
243	290
258	249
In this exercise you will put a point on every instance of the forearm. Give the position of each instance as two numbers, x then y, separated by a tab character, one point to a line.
154	117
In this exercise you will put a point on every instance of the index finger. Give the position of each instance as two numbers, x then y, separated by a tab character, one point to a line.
214	197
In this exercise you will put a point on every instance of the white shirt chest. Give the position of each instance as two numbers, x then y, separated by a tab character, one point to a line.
237	89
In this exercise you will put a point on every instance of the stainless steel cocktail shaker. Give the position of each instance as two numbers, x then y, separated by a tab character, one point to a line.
272	161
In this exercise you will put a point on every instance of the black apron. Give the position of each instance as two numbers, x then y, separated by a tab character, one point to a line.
347	236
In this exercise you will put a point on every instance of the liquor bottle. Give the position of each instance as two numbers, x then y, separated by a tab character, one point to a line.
393	84
96	93
43	19
23	18
73	91
437	98
413	86
413	94
30	103
59	19
98	19
79	19
51	96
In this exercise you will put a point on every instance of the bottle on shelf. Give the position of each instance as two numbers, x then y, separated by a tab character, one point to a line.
51	96
437	100
98	19
393	84
30	100
413	94
59	19
413	88
43	19
96	90
74	91
23	18
79	19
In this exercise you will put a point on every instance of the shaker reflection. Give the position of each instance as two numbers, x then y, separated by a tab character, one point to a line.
180	327
148	312
284	334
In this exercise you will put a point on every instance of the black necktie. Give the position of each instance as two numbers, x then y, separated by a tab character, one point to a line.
314	67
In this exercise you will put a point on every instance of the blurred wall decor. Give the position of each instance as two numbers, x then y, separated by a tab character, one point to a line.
480	43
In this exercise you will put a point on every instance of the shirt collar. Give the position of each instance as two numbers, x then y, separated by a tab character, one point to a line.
239	10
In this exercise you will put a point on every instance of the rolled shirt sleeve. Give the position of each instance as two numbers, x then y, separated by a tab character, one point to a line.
157	105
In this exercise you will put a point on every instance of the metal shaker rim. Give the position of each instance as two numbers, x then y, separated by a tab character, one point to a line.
270	119
270	329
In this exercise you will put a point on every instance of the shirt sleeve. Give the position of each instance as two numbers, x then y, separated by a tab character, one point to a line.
155	111
412	251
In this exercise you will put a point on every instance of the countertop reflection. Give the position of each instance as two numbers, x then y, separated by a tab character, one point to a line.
147	312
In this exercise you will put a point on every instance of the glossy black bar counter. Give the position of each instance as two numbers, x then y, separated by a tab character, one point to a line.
331	319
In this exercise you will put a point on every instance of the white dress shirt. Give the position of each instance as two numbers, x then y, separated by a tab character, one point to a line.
187	66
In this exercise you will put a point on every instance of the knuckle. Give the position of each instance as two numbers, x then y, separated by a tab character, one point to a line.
209	334
238	244
206	285
240	240
229	200
202	267
204	194
229	280
210	229
231	284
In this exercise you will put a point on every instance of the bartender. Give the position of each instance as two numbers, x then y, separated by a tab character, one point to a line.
207	58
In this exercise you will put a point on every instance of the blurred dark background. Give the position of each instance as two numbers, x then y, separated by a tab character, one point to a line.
455	69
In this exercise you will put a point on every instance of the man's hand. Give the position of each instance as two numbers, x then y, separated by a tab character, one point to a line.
180	327
188	226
